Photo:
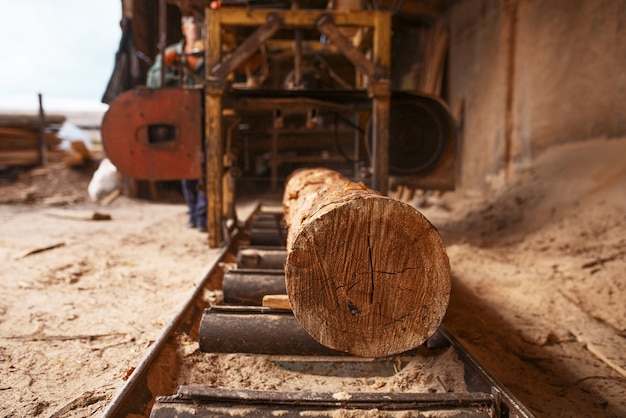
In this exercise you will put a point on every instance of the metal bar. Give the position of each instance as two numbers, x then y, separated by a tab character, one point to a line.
248	286
383	401
264	236
295	104
171	407
267	333
261	258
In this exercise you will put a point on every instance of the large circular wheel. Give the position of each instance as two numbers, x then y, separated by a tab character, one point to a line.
420	128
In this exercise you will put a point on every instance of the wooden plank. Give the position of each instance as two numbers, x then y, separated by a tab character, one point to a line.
28	121
240	16
16	138
276	302
19	158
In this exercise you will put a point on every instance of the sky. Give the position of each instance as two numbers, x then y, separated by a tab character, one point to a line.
63	49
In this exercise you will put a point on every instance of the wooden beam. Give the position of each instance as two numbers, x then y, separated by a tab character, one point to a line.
213	133
240	16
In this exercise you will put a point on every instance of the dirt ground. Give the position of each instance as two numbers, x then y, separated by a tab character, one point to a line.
538	284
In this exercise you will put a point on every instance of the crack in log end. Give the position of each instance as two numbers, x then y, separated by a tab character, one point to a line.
352	307
369	248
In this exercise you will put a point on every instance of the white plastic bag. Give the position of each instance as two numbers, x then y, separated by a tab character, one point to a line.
104	180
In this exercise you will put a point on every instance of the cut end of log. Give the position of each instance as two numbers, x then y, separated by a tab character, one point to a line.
365	274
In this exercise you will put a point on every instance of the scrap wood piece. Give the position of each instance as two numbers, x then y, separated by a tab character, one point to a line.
79	215
602	357
79	154
365	274
276	302
40	250
80	148
38	337
82	401
108	199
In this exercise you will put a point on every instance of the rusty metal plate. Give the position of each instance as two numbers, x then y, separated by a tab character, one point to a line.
155	134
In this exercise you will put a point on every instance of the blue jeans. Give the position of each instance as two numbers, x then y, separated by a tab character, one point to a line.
193	190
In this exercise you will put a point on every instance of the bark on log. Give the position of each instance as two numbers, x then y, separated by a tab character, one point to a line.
365	274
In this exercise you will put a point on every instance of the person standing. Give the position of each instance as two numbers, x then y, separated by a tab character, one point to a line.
183	64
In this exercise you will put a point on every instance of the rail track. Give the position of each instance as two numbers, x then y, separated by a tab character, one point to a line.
194	368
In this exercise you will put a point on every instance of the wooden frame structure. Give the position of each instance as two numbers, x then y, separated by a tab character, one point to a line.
375	68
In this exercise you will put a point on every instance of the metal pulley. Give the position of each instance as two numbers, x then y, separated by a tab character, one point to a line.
420	128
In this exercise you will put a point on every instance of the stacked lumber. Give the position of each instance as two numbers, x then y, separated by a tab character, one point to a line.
20	136
365	274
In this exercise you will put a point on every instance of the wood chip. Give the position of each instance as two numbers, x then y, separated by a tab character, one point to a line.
40	250
80	215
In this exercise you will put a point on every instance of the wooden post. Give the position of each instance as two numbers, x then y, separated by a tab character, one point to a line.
213	131
42	134
365	274
381	102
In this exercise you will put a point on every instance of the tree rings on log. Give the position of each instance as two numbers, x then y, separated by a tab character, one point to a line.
365	274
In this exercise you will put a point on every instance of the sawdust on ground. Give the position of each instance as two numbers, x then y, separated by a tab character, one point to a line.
538	284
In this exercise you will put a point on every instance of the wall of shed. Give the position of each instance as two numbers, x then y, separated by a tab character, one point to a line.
533	74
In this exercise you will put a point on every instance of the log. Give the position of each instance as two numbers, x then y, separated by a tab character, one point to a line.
365	274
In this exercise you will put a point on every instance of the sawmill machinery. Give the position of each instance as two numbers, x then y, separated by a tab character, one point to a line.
345	85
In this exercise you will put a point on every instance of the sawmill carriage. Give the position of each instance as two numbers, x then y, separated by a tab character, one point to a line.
353	86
